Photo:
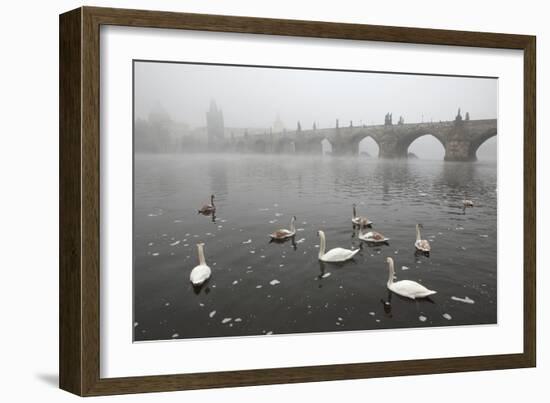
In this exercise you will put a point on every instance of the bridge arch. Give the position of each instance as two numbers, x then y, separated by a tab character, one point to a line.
368	146
285	145
425	146
477	142
259	146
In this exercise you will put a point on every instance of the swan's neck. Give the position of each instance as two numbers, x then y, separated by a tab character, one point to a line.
417	233
354	212
392	272
212	201
202	260
322	245
292	227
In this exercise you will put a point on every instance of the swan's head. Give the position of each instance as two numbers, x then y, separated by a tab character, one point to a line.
419	226
201	244
320	233
389	260
211	197
294	218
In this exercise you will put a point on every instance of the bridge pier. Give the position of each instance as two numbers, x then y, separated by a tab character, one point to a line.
458	146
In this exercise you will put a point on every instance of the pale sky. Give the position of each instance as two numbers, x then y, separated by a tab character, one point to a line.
253	97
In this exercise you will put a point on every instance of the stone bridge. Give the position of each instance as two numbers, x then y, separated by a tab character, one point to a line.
460	139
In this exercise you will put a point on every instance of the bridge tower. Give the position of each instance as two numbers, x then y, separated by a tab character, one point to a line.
214	126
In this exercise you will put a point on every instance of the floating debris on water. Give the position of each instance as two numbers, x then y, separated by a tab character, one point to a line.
404	268
484	236
238	320
136	324
259	286
226	320
150	244
211	314
301	240
372	313
167	304
175	243
247	242
269	333
235	282
274	282
278	214
325	275
175	335
252	252
281	265
447	316
466	300
155	254
272	221
422	318
176	221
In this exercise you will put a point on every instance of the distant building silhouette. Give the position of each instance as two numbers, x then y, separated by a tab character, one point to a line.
214	124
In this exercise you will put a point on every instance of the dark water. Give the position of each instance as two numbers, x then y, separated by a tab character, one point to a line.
256	195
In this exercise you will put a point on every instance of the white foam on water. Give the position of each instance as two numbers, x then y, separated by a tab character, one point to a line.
175	243
259	286
247	242
211	314
274	282
301	240
372	313
226	320
238	320
404	268
466	300
447	316
422	318
235	282
325	275
175	335
155	254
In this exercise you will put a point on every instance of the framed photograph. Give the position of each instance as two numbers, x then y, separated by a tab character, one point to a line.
249	201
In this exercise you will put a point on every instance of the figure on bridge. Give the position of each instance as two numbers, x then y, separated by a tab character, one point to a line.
458	116
388	119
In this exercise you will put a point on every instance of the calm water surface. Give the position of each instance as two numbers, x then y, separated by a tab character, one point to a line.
256	195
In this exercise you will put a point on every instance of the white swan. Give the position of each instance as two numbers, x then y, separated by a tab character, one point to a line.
361	221
421	244
406	288
202	272
467	202
373	236
336	254
208	209
282	234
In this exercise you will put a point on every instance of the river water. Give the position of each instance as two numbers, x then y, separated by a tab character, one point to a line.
259	287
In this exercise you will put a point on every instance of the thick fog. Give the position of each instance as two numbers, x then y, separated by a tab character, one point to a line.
254	97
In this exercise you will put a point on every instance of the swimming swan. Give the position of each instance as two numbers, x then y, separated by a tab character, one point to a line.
360	221
373	237
406	288
202	272
208	209
336	254
282	234
421	244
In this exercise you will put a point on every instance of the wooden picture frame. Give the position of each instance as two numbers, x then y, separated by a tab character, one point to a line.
79	278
